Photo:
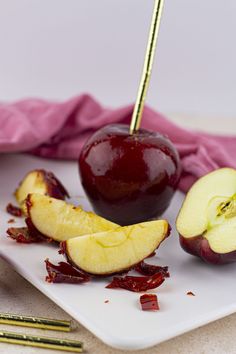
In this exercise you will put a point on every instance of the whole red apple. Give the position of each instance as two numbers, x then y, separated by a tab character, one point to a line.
129	178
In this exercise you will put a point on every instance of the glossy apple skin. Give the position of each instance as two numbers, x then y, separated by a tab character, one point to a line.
55	188
129	178
199	246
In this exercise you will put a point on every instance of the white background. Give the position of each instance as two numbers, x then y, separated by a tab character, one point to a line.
60	48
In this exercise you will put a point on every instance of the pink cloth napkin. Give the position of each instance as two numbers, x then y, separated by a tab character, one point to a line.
59	130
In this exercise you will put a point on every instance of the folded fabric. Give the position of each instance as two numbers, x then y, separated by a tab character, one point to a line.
59	130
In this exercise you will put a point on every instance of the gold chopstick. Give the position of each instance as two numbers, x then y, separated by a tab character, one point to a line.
147	67
41	342
35	322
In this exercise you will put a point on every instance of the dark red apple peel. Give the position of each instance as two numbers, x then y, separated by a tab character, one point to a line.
149	302
55	187
150	269
190	293
137	284
199	246
191	245
22	235
13	210
11	221
65	273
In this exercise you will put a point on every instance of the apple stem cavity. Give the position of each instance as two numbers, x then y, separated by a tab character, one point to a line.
228	209
220	209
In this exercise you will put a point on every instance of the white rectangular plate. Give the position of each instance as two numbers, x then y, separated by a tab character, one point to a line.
119	323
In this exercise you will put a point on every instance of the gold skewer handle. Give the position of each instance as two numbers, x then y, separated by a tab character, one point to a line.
147	68
41	342
35	322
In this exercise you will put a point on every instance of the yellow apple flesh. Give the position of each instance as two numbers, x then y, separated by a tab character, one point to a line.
60	221
116	250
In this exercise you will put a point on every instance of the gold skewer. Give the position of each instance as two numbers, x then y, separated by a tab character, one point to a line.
147	68
41	342
35	322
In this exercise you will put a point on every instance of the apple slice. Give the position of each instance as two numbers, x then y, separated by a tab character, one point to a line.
115	250
60	221
42	182
207	220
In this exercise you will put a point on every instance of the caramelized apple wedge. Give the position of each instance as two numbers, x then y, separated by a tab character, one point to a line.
60	221
42	182
116	250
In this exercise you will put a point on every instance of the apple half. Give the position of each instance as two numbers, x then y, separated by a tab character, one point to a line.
116	250
42	182
207	220
59	221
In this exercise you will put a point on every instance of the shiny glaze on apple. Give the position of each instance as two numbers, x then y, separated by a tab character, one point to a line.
129	178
